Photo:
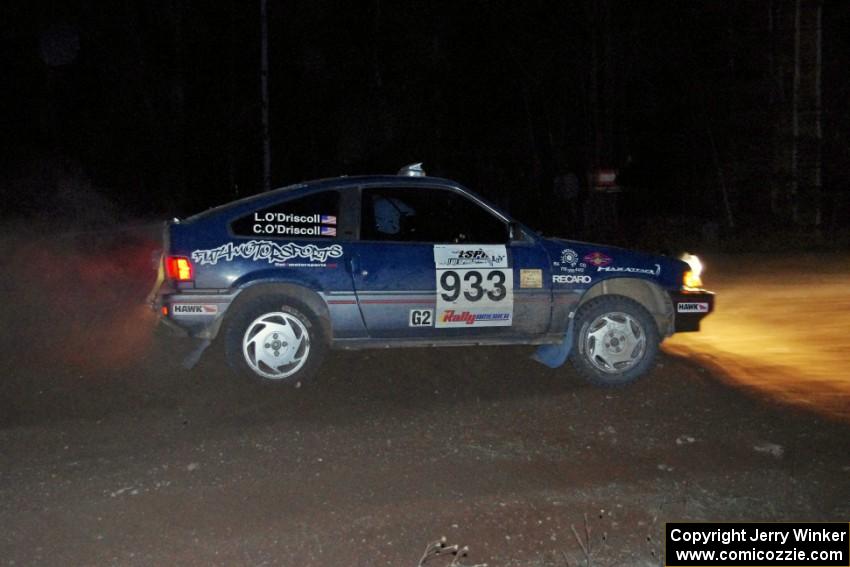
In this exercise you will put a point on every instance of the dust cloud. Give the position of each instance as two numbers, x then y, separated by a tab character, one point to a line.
780	328
74	301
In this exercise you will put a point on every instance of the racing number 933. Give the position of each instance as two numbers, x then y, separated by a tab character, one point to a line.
470	285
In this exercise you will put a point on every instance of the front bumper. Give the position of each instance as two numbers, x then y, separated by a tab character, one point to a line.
690	308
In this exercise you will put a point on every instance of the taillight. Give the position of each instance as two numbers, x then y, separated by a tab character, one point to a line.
178	268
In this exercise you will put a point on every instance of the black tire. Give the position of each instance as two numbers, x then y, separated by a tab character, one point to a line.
615	341
305	347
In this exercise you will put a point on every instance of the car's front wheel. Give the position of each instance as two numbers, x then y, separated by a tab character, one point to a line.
616	340
274	340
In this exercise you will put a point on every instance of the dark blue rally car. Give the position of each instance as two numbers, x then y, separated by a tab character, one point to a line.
409	260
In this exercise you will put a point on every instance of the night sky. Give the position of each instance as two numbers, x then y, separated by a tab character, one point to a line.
152	108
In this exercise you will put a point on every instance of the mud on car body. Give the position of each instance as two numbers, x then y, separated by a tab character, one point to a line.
409	260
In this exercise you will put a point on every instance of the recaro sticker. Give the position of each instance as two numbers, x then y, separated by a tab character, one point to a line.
571	279
475	287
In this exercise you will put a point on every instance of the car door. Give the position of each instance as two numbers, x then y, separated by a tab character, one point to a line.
434	263
533	297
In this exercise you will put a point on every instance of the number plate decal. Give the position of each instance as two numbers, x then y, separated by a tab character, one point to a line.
475	287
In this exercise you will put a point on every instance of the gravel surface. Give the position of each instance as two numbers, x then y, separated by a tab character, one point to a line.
113	454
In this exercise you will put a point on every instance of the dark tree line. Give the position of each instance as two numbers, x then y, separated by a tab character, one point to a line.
714	112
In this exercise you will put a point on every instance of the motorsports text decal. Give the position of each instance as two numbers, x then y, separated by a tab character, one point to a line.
271	252
475	287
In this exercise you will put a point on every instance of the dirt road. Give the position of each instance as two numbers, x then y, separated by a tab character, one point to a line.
112	454
782	328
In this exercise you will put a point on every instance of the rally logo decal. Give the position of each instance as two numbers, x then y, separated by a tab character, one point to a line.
475	287
450	316
271	252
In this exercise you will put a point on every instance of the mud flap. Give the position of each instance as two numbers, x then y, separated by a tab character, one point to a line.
191	359
556	355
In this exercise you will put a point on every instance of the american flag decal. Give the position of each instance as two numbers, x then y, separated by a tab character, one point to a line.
327	219
328	231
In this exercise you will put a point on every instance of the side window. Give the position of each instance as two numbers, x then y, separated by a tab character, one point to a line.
311	216
427	215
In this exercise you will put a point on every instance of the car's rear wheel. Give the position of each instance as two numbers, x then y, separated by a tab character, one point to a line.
275	340
616	341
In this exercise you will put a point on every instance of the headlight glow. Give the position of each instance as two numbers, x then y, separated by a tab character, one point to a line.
692	278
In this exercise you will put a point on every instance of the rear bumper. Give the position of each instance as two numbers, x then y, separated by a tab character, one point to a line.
690	308
197	315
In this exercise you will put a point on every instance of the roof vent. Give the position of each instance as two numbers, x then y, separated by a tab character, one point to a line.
412	170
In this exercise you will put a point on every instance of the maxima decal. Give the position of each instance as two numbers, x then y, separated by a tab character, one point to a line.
475	287
648	271
598	259
266	250
194	309
692	307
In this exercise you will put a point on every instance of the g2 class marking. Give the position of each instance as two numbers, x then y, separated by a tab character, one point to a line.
421	318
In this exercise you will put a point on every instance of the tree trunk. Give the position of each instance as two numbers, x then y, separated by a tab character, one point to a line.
795	120
818	128
264	95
